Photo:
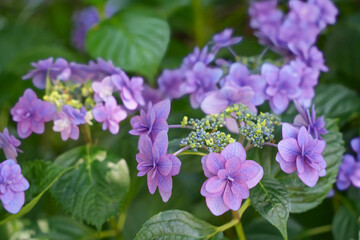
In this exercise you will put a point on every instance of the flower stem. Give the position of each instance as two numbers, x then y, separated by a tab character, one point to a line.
181	150
315	231
179	126
192	153
271	144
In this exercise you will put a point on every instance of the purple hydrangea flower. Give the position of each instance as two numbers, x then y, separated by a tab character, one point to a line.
170	81
349	173
328	12
299	151
153	95
59	70
283	86
157	165
218	100
199	81
239	74
355	145
12	186
31	113
103	90
67	120
109	114
203	56
316	126
224	39
314	58
102	69
130	90
80	73
153	121
230	176
9	144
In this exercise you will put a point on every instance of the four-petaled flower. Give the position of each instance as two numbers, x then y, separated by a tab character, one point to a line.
299	151
157	165
12	186
31	113
230	178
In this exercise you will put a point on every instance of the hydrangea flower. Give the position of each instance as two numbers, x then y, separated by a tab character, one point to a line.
327	12
314	58
283	86
203	56
130	90
355	145
103	90
67	120
109	114
157	165
199	81
224	39
12	186
153	121
31	113
170	82
102	69
239	74
230	176
59	70
314	125
349	173
299	151
9	144
218	100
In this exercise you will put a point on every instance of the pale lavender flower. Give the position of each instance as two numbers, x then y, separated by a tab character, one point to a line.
12	186
203	56
328	12
218	100
59	70
130	90
102	69
314	58
199	81
80	73
224	39
239	74
159	166
31	113
316	126
299	152
152	122
355	145
283	86
170	81
67	120
9	144
230	176
349	173
110	115
153	95
103	90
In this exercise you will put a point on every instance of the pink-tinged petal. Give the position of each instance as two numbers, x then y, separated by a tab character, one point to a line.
16	204
289	149
176	164
7	197
287	167
300	162
164	166
215	185
240	190
140	157
21	185
270	72
113	127
165	186
145	146
128	99
152	180
232	125
215	162
231	199
75	132
234	150
37	127
289	131
119	114
303	137
162	109
161	142
279	103
214	103
207	173
299	120
253	172
216	205
205	193
319	146
99	113
310	176
24	129
233	164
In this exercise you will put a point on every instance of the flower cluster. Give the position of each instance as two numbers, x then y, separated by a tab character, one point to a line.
76	94
349	172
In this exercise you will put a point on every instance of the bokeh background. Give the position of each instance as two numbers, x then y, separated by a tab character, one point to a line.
37	29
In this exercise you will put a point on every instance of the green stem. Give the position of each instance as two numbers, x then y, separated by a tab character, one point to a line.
199	25
244	207
106	234
121	221
315	231
192	153
240	231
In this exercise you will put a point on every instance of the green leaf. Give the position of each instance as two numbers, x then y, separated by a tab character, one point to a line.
53	174
134	40
176	224
271	200
266	158
302	197
346	224
95	189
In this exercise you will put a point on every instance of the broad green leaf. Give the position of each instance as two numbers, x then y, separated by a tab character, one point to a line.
266	158
134	40
302	197
271	200
95	189
53	174
346	224
176	224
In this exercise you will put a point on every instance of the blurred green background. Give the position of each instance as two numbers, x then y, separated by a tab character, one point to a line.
37	29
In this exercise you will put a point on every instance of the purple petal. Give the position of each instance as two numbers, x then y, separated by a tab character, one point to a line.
165	186
289	149
145	146
161	142
215	162
231	199
289	131
252	172
234	150
310	176
16	204
162	109
287	167
303	138
216	205
152	181
214	103
176	164
215	185
164	166
240	190
7	197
